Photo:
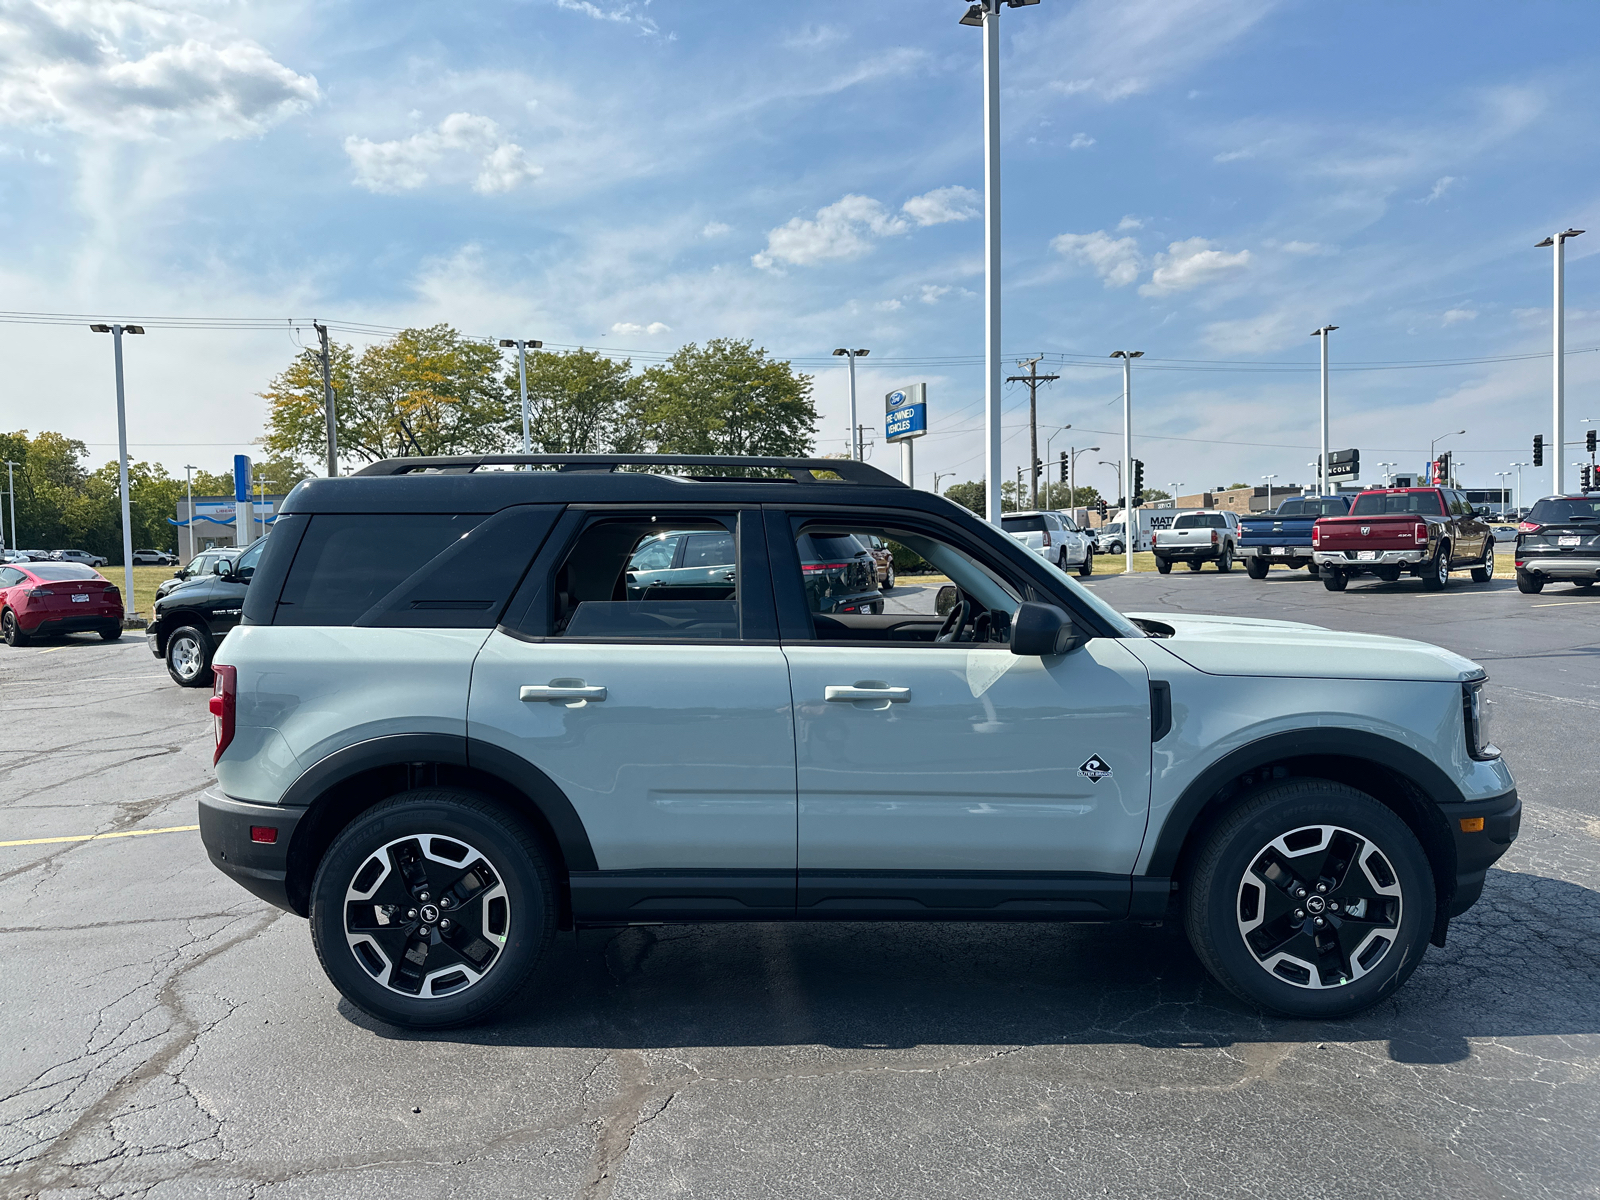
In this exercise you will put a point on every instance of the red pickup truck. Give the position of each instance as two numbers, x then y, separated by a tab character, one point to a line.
1426	532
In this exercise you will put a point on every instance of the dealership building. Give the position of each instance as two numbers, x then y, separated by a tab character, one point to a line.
215	522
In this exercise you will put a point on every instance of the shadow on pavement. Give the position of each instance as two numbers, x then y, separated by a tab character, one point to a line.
1524	962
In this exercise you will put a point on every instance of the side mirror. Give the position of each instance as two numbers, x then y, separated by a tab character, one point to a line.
1040	630
945	599
224	568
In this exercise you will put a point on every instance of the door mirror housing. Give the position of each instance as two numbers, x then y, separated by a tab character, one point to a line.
945	599
1042	630
224	568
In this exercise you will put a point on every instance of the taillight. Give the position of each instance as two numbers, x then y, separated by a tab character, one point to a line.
1528	527
819	568
1421	533
38	592
1316	535
1153	536
1047	539
1213	537
223	702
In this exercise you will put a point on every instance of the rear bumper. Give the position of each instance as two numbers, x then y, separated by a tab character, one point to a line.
1380	558
1188	553
1477	851
1557	566
1278	552
76	623
258	867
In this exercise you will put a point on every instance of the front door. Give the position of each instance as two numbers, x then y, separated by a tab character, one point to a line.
952	777
661	712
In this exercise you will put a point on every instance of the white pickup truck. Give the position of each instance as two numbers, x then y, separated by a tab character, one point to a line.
1053	536
1195	538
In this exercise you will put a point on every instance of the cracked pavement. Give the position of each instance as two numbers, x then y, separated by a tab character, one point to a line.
166	1034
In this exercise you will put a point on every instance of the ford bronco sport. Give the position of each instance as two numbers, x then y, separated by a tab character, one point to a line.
458	715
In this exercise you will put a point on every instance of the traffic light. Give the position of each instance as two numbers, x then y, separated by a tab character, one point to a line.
1137	495
1441	470
1538	449
1589	441
1588	478
1103	508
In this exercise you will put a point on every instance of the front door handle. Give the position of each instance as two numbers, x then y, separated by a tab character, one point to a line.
850	692
561	691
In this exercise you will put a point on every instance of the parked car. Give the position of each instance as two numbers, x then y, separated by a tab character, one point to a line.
674	563
1426	532
35	555
1109	539
443	731
1197	538
189	622
45	599
11	556
1054	536
1283	536
154	558
1559	541
77	556
884	557
200	565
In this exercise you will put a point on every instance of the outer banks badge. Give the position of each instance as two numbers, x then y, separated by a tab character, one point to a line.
1095	769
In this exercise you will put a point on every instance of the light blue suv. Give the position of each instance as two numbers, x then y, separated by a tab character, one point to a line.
453	722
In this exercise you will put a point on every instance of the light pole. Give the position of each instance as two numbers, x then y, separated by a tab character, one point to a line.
1519	467
1503	475
1046	465
1269	479
1557	243
1322	470
116	332
938	475
1117	467
986	15
11	490
855	431
328	415
1387	474
1127	357
1432	459
188	488
1072	473
522	345
1173	492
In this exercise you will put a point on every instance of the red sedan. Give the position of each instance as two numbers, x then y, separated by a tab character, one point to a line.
38	599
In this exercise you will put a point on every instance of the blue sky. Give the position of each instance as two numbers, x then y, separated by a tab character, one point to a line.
1206	181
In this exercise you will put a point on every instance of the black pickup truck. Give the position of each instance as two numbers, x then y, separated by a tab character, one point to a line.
1284	536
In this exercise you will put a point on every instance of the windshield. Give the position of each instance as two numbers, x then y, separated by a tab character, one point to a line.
59	571
1557	512
1033	524
1118	623
1379	504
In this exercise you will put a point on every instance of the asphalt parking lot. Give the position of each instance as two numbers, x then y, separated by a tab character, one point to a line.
166	1034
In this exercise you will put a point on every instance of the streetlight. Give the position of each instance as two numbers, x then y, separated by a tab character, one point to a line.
1047	443
1431	458
1557	243
522	345
188	487
1387	474
1174	492
938	475
1127	357
1322	480
855	432
1269	479
116	332
1503	475
1519	467
986	15
1117	467
1072	473
11	490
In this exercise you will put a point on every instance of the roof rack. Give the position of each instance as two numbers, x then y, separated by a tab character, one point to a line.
801	470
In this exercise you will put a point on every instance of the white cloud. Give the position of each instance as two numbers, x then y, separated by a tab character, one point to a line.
1129	222
626	13
1256	335
887	305
942	205
1440	187
1080	141
461	145
714	229
932	292
840	231
1317	248
1115	260
1455	315
1188	264
133	70
628	328
1233	155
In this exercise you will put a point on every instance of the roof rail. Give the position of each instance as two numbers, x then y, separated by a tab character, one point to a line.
802	470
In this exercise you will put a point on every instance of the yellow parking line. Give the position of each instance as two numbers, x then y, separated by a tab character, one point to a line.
95	837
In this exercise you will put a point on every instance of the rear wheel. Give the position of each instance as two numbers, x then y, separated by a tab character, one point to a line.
888	583
1225	563
1485	572
432	908
1314	570
11	630
1583	585
1335	580
188	656
1529	585
111	633
1437	573
1311	900
1194	564
1257	567
1389	573
1164	566
1086	567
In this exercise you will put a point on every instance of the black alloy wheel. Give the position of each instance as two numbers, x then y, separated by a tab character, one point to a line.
1086	567
430	909
11	630
1436	575
1529	585
1257	567
1311	900
1485	572
1334	579
188	656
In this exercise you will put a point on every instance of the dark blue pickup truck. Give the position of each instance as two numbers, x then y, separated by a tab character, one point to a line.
1284	536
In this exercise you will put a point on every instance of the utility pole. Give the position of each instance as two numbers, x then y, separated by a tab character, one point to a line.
1519	467
1269	479
188	487
1322	469
11	490
116	332
327	400
1033	379
1125	475
1557	369
522	345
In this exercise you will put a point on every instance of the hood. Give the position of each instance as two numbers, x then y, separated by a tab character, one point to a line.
1292	649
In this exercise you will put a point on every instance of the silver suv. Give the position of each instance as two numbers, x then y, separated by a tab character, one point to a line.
467	708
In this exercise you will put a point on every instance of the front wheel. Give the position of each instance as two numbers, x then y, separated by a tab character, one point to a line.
1257	567
1335	581
1485	572
1311	900
1164	566
1529	585
1086	567
188	656
430	909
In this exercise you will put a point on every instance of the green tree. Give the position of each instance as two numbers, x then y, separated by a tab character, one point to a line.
581	402
728	398
970	495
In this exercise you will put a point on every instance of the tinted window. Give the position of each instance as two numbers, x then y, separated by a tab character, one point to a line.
656	554
816	548
1200	521
707	550
9	576
1022	524
1557	512
346	563
600	590
51	572
1378	504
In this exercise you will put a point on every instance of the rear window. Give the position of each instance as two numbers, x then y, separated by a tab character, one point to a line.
816	548
55	572
347	563
1034	524
1558	512
1380	504
1200	521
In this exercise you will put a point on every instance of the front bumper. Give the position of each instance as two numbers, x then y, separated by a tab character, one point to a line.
1347	560
1478	850
258	867
1558	566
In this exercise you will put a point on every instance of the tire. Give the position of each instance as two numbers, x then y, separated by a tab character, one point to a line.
1325	846
504	893
1194	564
1257	567
1086	567
1529	585
1389	574
1583	585
1314	570
1486	572
11	630
1334	580
188	656
111	634
1436	576
1225	563
1164	566
888	584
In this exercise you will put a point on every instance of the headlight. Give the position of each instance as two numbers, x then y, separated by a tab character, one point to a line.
1479	713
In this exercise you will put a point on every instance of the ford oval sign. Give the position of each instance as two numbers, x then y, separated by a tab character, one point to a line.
896	399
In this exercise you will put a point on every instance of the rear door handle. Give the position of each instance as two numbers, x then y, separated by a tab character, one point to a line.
561	691
848	692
